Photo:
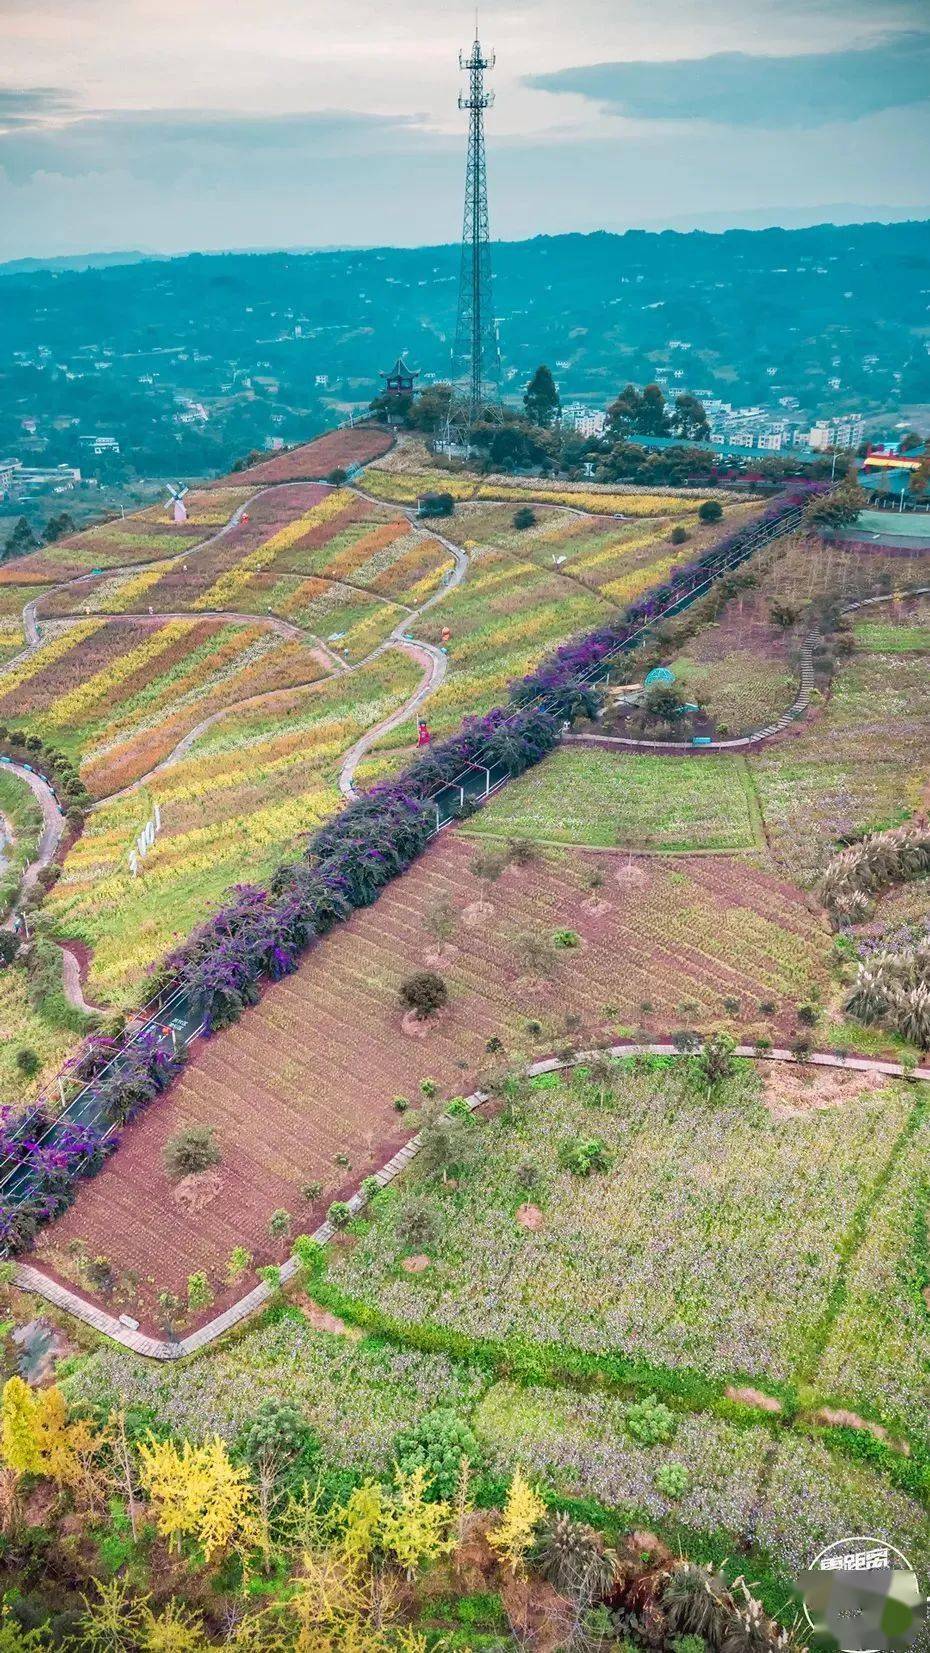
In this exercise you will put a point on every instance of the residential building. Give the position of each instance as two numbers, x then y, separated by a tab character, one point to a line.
100	444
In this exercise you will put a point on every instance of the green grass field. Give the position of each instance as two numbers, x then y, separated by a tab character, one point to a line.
638	801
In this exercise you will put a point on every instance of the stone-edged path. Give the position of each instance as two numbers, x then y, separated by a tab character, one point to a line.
31	1279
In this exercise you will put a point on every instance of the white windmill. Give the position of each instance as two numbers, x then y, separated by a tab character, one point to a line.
176	503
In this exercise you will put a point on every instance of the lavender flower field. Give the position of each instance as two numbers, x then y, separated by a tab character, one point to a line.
713	1241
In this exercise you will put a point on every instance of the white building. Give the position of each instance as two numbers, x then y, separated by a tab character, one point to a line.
845	432
17	479
584	421
100	444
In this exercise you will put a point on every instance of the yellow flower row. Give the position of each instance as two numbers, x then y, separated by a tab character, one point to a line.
236	579
47	654
614	504
102	688
134	588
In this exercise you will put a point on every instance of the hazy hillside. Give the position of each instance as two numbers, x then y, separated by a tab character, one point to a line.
268	344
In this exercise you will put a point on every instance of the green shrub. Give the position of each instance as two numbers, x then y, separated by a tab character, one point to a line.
438	1442
28	1062
191	1150
566	938
710	511
199	1294
649	1420
584	1155
424	993
672	1480
278	1434
339	1215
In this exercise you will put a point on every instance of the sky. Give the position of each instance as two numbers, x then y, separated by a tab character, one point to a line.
173	125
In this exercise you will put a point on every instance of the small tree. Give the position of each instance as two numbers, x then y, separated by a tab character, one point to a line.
199	1295
487	867
439	921
716	1059
515	1533
710	511
424	993
524	518
279	1224
191	1150
541	399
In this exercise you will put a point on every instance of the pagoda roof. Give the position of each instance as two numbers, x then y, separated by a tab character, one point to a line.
400	370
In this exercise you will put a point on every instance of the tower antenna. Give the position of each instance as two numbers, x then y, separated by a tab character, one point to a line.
477	354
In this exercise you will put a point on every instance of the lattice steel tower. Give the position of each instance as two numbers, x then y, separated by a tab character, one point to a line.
477	356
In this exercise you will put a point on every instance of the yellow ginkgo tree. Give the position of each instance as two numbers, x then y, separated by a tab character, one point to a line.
196	1492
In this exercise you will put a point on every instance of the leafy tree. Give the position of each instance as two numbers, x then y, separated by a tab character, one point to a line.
716	1059
21	541
710	511
191	1150
437	505
515	1533
58	527
414	1528
279	1224
653	417
689	419
664	701
199	1295
920	479
624	414
524	518
836	510
196	1492
438	1444
37	1438
542	398
424	992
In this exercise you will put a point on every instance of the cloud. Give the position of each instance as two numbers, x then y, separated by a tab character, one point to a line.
738	89
28	105
166	147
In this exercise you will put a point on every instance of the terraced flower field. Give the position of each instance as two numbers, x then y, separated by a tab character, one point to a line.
861	764
321	558
715	1240
238	801
117	697
637	801
334	450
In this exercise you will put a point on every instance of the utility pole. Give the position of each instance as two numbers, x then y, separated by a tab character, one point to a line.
477	355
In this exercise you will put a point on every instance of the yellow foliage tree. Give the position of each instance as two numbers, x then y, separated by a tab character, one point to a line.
197	1493
18	1438
37	1438
514	1533
413	1530
358	1523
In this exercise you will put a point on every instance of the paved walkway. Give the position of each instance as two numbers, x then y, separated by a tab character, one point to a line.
31	1279
53	826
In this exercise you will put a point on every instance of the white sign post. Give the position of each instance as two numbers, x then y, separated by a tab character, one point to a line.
144	841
